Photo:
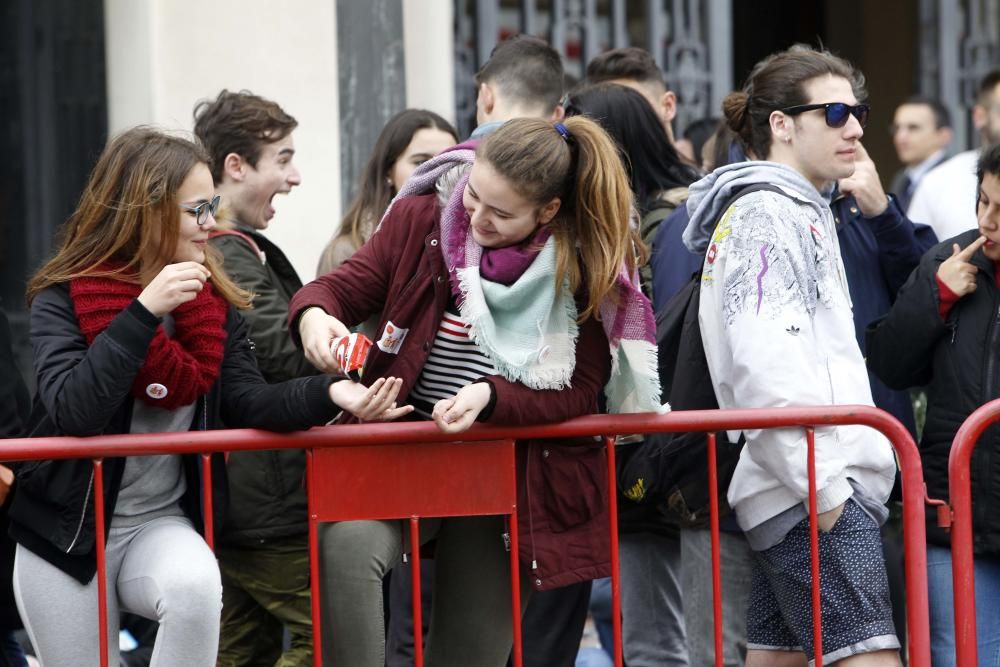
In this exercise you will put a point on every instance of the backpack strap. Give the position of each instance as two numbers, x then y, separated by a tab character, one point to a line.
216	233
753	187
671	466
665	204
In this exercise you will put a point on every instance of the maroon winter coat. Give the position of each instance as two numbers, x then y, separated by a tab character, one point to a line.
400	273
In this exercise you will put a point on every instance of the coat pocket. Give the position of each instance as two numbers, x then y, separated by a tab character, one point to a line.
575	479
54	499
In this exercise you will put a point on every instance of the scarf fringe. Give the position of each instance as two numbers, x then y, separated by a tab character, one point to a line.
475	312
639	389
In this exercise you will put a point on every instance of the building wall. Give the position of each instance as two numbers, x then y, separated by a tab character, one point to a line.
429	43
165	55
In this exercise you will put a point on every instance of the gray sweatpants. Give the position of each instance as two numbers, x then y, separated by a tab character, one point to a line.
162	570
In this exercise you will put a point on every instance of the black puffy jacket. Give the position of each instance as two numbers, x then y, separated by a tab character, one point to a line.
85	390
959	361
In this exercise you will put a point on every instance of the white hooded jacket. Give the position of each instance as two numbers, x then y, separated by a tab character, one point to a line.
778	330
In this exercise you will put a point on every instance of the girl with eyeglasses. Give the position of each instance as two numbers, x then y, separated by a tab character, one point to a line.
509	298
777	326
136	329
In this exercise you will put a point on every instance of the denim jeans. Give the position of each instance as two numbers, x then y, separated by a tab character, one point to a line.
600	612
652	615
942	609
696	583
11	653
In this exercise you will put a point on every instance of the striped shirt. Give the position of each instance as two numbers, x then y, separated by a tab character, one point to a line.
454	362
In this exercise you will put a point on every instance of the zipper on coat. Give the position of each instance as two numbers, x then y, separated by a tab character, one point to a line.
531	522
83	512
989	390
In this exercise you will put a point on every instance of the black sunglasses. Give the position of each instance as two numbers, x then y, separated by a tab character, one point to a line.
202	210
836	113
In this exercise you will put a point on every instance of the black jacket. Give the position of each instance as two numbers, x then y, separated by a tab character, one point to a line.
85	390
267	497
959	361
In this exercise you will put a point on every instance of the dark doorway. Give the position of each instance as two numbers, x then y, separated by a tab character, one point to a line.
880	38
53	124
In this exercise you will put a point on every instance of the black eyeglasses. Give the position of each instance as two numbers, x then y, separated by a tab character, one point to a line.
836	113
202	210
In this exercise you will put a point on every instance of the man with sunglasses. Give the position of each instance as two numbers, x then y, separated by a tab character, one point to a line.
263	548
946	197
778	329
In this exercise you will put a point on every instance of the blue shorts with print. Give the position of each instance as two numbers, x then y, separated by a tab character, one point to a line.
854	591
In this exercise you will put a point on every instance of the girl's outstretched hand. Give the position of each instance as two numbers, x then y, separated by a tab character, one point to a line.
173	285
374	403
459	412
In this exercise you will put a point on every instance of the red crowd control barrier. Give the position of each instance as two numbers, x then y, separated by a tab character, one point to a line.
962	561
408	460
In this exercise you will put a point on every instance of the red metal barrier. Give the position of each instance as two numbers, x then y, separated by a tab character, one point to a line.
962	561
364	440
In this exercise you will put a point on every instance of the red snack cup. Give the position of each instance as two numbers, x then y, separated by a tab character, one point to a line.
351	351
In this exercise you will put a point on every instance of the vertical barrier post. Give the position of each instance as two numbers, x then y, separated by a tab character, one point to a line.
713	511
814	549
515	573
962	556
616	584
418	620
102	566
314	560
207	502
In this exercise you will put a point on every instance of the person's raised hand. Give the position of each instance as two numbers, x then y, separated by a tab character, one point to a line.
318	330
456	414
957	272
865	184
173	285
374	403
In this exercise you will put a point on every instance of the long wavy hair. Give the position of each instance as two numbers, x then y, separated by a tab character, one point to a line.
127	223
375	191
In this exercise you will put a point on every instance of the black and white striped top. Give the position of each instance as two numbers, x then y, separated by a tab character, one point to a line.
454	362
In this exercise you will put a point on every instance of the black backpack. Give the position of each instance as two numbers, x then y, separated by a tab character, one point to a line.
674	466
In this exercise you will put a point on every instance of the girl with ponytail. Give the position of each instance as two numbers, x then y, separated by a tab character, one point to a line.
510	299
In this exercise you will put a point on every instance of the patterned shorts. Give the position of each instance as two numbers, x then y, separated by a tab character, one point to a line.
854	593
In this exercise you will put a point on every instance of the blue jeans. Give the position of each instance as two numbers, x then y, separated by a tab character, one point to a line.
942	612
11	653
653	630
696	585
600	611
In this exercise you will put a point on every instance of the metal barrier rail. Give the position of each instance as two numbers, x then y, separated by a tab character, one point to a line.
962	560
382	434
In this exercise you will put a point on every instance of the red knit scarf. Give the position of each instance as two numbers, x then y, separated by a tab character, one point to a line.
177	370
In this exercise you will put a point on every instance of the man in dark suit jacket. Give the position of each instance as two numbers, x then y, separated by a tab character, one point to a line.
921	131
